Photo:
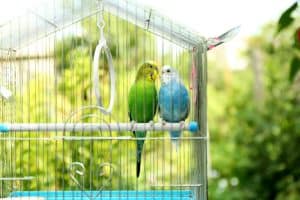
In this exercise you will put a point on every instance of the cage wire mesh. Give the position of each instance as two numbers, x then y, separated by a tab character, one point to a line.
46	65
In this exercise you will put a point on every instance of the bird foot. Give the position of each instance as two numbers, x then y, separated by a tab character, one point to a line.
164	122
182	124
132	123
151	123
161	120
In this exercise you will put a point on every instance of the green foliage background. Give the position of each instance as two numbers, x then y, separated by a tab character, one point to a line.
254	145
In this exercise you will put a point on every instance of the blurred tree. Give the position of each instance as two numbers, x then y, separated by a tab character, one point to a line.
286	20
255	155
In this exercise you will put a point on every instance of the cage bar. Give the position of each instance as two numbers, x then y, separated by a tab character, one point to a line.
25	178
48	22
90	127
44	146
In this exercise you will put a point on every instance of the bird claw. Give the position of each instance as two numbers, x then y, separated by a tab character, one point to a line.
182	124
132	123
151	123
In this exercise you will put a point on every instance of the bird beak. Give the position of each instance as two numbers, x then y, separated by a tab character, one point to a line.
156	73
159	76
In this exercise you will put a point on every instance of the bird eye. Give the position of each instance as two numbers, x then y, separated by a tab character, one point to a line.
168	70
150	66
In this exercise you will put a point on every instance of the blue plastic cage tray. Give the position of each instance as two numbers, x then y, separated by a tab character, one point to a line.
108	195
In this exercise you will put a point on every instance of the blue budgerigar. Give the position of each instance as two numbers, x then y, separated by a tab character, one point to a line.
173	100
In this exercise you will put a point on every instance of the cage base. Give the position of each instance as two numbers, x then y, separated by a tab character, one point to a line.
105	195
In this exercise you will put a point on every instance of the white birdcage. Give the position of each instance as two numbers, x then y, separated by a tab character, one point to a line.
66	133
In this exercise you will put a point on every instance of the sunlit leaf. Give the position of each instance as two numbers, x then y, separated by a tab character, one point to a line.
285	20
294	68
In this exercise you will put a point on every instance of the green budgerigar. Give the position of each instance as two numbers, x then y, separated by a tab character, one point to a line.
143	103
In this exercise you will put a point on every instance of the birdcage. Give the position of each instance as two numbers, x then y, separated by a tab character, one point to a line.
66	71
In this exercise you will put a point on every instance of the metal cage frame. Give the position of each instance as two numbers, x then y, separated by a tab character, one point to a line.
147	19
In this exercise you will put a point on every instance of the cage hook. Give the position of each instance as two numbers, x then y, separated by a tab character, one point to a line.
147	21
102	45
101	22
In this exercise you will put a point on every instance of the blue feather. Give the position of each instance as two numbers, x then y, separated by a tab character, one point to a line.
173	101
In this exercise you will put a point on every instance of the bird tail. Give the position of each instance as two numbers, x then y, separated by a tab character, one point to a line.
139	151
175	135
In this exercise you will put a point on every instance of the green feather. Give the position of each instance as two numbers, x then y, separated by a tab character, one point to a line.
142	101
142	105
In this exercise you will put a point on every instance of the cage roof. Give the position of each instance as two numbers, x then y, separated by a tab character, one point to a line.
51	16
